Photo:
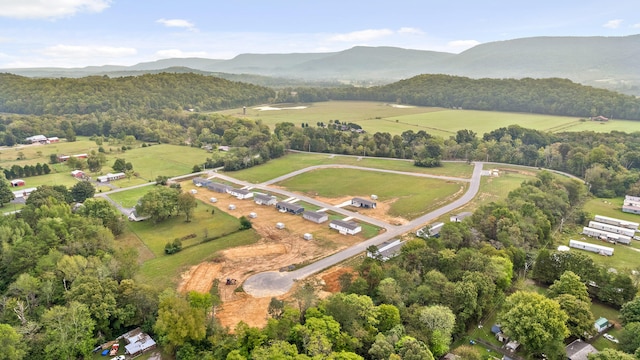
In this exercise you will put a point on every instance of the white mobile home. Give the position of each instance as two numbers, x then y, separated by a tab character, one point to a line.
612	228
616	222
598	249
387	250
240	193
345	227
631	204
316	217
264	199
605	235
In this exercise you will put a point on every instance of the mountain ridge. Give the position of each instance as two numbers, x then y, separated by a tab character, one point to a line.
599	61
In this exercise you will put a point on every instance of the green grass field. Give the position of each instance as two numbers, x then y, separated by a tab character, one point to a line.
297	161
415	196
129	198
381	117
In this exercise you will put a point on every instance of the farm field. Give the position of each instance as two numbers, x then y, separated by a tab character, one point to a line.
296	161
382	117
400	196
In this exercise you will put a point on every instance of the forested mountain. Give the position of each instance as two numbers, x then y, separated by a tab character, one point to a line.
541	96
154	92
606	62
144	93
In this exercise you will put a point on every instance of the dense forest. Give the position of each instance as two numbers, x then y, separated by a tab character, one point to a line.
64	280
539	96
132	94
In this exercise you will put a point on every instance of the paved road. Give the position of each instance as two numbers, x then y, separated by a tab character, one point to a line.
274	283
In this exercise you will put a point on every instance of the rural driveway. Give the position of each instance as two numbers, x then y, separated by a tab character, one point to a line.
274	283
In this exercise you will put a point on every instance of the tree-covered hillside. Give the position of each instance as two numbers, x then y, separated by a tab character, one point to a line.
541	96
137	94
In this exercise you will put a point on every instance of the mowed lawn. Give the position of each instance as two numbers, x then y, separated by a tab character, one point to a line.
410	196
296	161
204	224
129	198
382	117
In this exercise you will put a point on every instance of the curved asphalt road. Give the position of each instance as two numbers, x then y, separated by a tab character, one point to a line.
274	283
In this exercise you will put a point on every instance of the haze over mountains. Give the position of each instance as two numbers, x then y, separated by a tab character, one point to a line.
606	62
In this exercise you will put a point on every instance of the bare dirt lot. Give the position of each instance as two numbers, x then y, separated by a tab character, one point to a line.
277	249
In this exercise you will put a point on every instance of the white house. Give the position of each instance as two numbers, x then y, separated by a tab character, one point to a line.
241	194
37	139
601	324
631	204
110	177
387	250
591	247
316	217
431	230
137	342
23	193
264	199
363	203
345	227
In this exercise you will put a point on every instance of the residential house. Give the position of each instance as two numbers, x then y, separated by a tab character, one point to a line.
53	139
579	350
264	199
133	216
110	177
37	139
78	174
198	181
617	222
316	217
137	342
631	204
345	227
363	203
289	207
241	194
23	193
217	187
606	235
387	250
612	228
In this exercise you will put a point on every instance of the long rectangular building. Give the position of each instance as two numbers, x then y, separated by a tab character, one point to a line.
605	235
612	228
591	247
617	222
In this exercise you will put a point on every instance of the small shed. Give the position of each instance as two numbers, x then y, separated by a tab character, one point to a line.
374	197
307	236
279	225
601	324
213	200
232	207
253	215
193	191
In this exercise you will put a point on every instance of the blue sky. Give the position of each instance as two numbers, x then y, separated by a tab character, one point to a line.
77	33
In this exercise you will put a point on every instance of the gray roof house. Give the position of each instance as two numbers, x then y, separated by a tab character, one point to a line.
217	187
363	203
387	250
240	193
264	199
579	350
137	342
345	227
201	181
289	207
316	217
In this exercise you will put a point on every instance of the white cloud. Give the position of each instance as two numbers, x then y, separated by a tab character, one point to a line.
613	24
74	51
175	53
45	9
363	35
409	30
636	26
180	23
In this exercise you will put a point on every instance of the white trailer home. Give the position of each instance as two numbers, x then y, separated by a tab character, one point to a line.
345	227
240	194
617	222
605	235
612	228
598	249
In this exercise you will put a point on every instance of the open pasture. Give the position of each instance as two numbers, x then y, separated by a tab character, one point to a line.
408	196
296	161
382	117
129	198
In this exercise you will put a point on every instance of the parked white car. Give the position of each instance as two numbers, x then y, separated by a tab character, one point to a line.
119	357
610	338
